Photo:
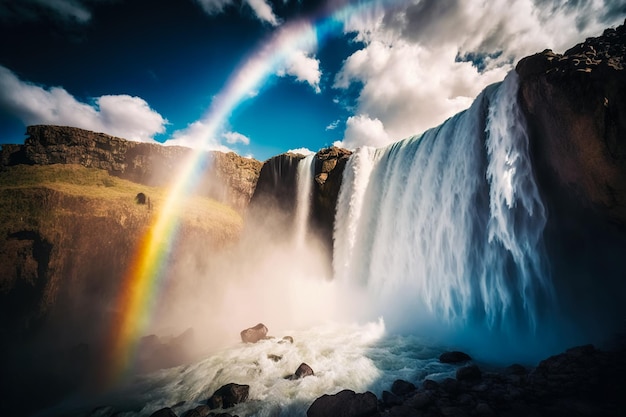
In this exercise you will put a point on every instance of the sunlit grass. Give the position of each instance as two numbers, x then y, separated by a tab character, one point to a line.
34	195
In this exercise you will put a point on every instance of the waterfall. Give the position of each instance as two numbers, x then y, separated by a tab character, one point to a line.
304	186
444	230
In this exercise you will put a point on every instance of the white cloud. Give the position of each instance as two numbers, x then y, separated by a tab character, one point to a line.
411	68
236	137
118	115
301	151
333	125
197	135
304	68
263	11
212	7
71	10
363	130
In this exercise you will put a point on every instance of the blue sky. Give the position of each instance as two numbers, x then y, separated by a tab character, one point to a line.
261	77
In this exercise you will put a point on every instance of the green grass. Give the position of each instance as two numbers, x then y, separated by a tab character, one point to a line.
33	195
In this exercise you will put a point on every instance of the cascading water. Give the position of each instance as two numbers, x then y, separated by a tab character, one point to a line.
442	232
304	187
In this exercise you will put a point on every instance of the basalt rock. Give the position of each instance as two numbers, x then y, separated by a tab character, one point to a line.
575	104
454	357
575	107
303	371
228	178
228	395
276	186
582	381
254	334
345	403
329	166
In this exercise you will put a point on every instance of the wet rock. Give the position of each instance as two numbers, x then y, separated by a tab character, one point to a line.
199	411
345	403
429	384
254	334
402	388
454	357
420	400
390	399
228	395
164	412
287	339
468	373
274	358
303	371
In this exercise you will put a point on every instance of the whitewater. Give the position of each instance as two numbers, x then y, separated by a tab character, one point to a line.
437	246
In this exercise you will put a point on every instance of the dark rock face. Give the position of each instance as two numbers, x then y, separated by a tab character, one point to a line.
329	166
229	178
454	357
164	412
228	395
276	187
254	334
575	107
345	403
401	387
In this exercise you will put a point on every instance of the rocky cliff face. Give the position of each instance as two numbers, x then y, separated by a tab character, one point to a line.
277	188
229	178
575	105
329	165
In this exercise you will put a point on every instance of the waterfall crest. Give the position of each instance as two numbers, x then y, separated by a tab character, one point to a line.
444	230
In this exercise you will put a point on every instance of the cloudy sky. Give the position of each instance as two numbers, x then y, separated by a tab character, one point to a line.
261	77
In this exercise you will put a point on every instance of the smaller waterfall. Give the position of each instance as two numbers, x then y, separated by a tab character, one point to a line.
303	198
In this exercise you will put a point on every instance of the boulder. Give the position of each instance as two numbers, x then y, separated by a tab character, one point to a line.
228	395
164	412
402	388
468	373
454	357
199	411
303	370
254	334
345	403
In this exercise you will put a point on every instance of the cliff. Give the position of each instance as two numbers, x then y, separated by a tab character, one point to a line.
277	189
228	178
68	238
575	105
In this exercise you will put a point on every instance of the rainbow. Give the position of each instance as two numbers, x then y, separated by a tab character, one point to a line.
144	278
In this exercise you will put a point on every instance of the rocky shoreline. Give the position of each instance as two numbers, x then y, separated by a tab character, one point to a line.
582	381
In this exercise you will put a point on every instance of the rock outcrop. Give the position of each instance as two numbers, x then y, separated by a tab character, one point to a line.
228	395
254	334
228	178
582	381
575	105
277	189
329	166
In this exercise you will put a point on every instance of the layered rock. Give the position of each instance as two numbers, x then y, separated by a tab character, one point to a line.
228	178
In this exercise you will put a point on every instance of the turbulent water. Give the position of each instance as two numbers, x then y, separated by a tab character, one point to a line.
437	243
